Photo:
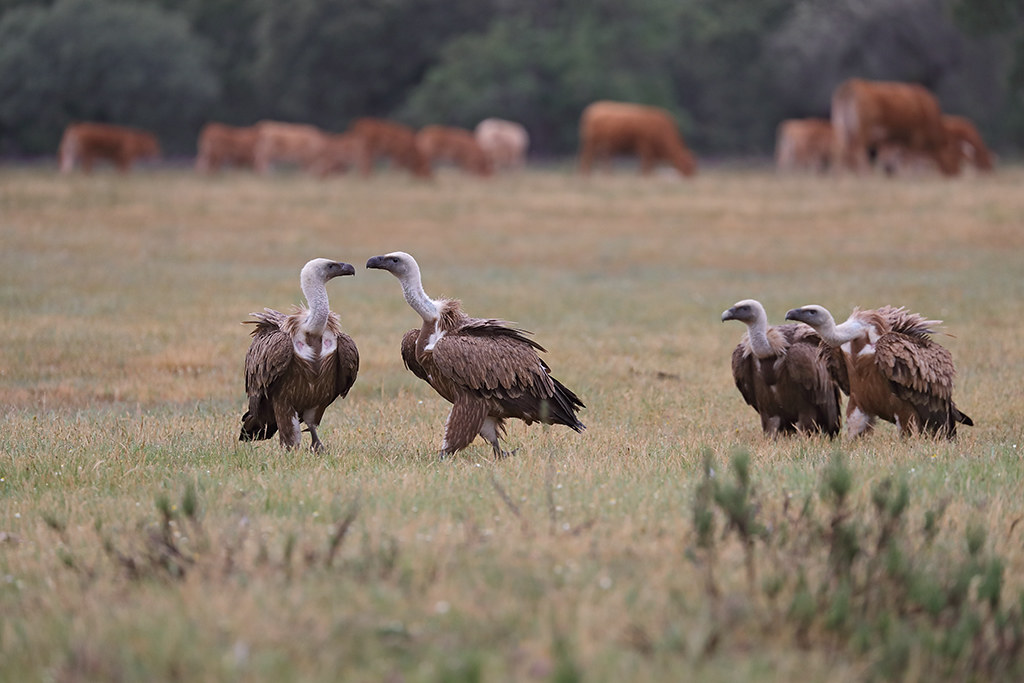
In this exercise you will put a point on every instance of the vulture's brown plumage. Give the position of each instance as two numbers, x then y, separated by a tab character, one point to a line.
892	369
780	374
486	369
298	364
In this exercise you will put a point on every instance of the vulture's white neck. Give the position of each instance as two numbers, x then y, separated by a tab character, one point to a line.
757	332
315	290
837	335
412	288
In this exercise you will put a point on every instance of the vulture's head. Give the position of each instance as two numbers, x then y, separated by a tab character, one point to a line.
815	316
322	270
404	267
747	311
398	263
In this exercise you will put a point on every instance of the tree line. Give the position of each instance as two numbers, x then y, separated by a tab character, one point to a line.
728	70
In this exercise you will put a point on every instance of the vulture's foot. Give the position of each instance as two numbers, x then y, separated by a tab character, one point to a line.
501	454
317	446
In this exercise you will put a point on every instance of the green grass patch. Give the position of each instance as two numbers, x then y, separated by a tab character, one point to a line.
139	540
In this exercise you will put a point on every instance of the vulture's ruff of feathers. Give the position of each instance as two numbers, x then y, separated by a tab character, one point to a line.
488	370
298	364
886	360
779	372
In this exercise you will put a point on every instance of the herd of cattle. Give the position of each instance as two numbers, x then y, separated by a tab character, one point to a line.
898	125
494	144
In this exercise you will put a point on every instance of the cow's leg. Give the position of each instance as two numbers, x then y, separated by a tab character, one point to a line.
646	155
67	158
586	158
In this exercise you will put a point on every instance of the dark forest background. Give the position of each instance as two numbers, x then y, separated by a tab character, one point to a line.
729	70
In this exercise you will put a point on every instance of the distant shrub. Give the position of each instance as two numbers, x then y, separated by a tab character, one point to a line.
117	63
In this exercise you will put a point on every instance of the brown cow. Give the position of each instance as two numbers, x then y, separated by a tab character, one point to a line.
963	137
220	144
91	141
869	114
803	145
504	142
294	143
392	141
339	153
608	128
444	143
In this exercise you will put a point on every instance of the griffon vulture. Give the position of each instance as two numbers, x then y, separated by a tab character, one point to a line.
487	370
886	360
298	364
779	372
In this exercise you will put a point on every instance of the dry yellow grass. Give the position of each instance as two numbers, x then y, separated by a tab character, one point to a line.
120	377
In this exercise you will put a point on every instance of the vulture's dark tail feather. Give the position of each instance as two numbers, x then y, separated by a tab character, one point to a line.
962	418
563	407
254	431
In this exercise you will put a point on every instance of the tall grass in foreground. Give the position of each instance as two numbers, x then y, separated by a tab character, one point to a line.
140	541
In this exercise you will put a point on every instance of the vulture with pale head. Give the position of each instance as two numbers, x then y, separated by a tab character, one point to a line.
298	364
887	362
487	370
780	374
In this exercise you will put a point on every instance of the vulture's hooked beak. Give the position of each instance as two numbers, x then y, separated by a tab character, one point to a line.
347	268
794	314
727	315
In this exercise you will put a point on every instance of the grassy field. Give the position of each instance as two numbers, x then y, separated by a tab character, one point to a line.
140	541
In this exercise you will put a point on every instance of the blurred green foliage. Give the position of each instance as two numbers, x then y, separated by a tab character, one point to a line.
729	70
82	60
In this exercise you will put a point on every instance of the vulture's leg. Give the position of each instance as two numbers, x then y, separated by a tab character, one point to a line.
807	422
309	417
907	422
489	431
317	444
772	425
288	426
857	421
463	424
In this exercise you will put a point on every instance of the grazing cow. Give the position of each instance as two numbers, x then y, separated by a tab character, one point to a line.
504	142
869	114
444	143
339	153
221	145
392	141
608	128
966	138
804	145
91	141
963	137
295	143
